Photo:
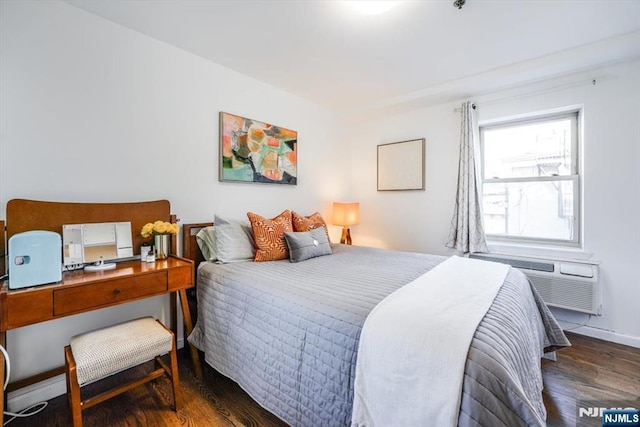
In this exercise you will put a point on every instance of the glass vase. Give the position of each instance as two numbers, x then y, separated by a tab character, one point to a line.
162	245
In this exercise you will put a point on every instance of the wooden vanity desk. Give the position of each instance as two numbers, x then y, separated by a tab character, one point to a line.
80	291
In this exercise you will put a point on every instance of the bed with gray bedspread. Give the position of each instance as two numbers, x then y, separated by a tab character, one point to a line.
288	333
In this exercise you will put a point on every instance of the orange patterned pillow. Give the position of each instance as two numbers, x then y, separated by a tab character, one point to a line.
268	235
308	223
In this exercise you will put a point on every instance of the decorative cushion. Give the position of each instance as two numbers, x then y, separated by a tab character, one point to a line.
113	349
307	244
308	223
268	235
234	240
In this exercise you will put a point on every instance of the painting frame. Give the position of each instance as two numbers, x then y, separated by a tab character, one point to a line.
252	151
401	165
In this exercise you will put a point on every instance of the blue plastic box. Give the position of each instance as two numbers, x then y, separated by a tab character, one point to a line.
35	258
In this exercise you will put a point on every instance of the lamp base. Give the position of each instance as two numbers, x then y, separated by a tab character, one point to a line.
346	236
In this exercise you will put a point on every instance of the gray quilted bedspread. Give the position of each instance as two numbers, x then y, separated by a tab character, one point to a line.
288	333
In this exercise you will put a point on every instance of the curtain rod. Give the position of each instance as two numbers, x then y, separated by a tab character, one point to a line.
582	82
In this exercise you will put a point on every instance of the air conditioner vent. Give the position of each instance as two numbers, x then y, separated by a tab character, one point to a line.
544	286
518	263
570	285
572	293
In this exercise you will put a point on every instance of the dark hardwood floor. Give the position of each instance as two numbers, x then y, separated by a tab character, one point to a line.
590	370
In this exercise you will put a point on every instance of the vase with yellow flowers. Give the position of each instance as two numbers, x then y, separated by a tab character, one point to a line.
161	232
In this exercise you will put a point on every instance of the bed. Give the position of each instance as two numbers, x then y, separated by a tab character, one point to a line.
288	334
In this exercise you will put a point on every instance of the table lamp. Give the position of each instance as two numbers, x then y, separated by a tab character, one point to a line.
346	214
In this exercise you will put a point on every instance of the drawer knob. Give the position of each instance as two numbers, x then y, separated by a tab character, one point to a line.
116	291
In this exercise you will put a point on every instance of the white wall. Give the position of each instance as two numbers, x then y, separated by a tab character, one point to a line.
92	111
419	221
406	220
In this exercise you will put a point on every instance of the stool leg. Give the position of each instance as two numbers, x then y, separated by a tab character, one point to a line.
177	396
73	389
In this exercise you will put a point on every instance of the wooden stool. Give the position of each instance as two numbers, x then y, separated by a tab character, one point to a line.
98	354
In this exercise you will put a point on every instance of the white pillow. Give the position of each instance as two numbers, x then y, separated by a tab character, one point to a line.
227	241
206	239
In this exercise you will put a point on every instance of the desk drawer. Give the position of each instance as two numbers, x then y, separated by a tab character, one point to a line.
27	308
90	296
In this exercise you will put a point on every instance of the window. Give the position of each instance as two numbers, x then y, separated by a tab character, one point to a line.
531	181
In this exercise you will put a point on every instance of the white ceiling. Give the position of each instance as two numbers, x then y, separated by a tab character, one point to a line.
328	53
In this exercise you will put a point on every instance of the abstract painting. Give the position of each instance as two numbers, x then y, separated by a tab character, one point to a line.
253	151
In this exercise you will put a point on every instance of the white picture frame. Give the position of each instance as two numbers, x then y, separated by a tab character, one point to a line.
401	165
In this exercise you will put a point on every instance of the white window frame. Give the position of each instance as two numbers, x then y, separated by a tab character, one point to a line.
576	177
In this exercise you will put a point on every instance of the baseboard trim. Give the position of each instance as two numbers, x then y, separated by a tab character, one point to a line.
43	391
602	334
40	392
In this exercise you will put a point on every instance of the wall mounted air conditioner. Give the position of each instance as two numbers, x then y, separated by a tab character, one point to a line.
570	285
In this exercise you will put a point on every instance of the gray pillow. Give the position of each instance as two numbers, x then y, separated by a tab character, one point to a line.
227	241
307	244
233	240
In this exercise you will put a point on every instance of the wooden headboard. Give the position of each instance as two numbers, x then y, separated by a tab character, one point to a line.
26	215
190	248
3	250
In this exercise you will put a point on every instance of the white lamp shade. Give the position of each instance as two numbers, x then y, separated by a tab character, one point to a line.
346	214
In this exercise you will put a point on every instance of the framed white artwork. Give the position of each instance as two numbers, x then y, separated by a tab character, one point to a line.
401	165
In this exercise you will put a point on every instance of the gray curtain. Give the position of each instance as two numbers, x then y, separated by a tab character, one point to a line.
467	232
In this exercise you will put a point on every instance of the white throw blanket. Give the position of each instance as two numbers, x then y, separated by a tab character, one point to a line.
414	344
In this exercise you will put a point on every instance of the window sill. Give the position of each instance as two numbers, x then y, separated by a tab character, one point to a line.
539	251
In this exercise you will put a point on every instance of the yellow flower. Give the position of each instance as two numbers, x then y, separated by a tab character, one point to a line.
159	227
147	230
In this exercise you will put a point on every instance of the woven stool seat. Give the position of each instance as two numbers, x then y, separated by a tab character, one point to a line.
98	354
110	350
